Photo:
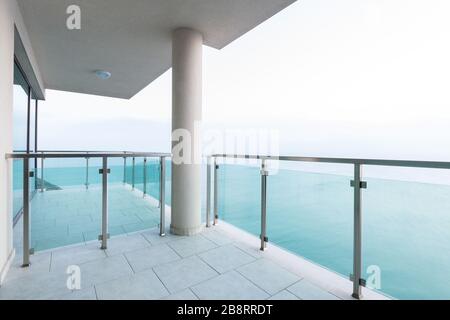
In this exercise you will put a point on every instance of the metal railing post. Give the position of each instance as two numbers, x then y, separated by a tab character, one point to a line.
124	170
208	192
264	174
145	177
162	197
87	173
133	173
104	172
216	192
26	213
356	277
42	174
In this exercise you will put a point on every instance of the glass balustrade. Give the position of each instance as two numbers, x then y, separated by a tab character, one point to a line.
66	198
310	211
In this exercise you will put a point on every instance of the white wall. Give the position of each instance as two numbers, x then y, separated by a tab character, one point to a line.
9	16
6	106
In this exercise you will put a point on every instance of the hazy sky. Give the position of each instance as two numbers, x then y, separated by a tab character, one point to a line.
350	78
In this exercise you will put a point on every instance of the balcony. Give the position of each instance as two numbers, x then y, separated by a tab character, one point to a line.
223	262
268	231
102	212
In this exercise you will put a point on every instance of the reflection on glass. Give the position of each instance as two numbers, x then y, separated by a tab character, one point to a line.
129	211
70	209
309	209
406	232
17	186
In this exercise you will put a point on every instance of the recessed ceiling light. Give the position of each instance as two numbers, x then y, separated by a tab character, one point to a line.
102	74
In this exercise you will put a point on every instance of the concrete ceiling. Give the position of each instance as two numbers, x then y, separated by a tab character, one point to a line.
129	38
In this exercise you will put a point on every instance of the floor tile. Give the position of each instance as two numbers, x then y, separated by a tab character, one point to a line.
229	286
102	270
182	295
254	250
139	226
217	237
85	294
150	257
62	258
192	245
308	291
153	236
45	285
268	275
141	286
226	258
184	273
284	295
121	244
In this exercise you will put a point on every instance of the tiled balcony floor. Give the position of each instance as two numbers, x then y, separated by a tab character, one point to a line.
221	263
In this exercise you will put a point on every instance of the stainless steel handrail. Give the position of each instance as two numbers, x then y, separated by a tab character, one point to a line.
86	155
356	183
75	151
372	162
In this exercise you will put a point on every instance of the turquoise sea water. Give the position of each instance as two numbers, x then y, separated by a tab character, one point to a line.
406	225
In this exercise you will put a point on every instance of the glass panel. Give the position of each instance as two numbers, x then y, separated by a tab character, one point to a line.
32	125
17	187
153	169
153	172
310	212
239	196
168	181
32	189
139	174
66	212
20	111
129	210
309	208
71	172
33	162
406	225
203	194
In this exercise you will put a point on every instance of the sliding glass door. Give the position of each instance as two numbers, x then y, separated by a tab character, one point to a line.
24	138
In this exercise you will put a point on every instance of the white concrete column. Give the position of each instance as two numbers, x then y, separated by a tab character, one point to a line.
186	113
